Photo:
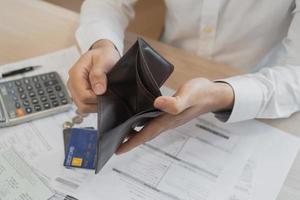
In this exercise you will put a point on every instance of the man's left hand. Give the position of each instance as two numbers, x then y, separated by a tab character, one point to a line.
196	97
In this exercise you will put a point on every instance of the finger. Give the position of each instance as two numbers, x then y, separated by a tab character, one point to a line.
150	131
101	65
84	108
173	105
80	92
78	82
98	80
185	97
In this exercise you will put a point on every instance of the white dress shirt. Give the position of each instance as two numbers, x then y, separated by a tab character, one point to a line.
259	36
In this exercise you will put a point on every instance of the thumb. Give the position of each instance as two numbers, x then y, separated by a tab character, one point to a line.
186	96
98	80
173	105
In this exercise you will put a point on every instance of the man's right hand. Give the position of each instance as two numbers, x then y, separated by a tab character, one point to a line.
87	78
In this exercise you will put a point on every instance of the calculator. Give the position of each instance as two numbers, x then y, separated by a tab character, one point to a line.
30	98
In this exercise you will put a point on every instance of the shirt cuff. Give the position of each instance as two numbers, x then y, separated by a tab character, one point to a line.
248	97
88	34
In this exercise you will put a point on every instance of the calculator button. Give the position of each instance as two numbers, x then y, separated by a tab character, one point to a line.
44	77
41	92
38	86
26	81
52	75
55	103
26	103
58	88
50	83
31	94
18	105
20	112
29	87
46	105
18	83
15	98
20	89
35	79
52	96
43	98
37	108
28	110
64	101
23	96
61	94
49	90
35	101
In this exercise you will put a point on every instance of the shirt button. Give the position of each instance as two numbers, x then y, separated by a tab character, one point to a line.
208	29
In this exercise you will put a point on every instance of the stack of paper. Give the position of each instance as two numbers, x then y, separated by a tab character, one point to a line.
202	160
18	181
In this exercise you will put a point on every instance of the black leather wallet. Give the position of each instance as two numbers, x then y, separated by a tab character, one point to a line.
133	84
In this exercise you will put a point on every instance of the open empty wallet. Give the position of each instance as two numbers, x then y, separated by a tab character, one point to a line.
133	84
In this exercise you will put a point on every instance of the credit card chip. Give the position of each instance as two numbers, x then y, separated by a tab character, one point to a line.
76	162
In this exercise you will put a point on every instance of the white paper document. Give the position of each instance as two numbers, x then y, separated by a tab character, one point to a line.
267	168
18	181
40	142
202	160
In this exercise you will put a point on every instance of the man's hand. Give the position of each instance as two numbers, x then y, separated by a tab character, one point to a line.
197	96
87	78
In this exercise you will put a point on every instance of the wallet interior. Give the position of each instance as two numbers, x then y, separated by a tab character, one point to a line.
133	85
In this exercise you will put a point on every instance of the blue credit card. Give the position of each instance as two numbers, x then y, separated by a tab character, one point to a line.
81	148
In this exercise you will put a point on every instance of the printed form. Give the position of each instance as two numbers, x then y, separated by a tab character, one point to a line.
200	160
204	159
18	181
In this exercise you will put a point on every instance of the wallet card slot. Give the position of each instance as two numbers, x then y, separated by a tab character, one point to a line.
144	98
160	67
147	93
110	142
146	75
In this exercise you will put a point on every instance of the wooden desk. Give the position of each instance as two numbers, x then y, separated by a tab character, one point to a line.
31	27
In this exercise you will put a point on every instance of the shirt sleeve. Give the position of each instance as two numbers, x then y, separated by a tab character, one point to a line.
104	19
273	92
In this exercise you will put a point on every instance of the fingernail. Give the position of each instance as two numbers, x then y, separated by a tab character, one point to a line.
98	88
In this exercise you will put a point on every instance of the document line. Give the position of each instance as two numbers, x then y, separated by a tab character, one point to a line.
145	184
181	161
213	131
